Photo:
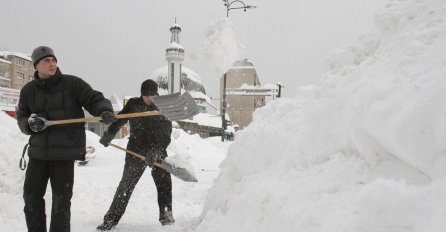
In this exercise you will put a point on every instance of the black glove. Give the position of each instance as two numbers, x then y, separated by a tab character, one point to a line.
35	123
154	156
107	117
106	139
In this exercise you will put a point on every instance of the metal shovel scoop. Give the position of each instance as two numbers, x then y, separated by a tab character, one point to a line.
180	172
176	107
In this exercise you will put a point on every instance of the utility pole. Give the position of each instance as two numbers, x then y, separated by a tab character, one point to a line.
223	110
228	4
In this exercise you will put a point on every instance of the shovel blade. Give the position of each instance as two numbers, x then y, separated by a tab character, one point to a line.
179	172
176	107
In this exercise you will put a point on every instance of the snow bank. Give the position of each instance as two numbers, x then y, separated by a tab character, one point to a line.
11	181
362	150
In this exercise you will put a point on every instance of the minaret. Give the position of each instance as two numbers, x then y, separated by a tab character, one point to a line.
174	57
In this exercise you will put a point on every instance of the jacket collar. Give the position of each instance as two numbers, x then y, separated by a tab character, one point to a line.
50	81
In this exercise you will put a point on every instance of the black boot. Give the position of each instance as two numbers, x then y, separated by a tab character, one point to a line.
106	226
166	217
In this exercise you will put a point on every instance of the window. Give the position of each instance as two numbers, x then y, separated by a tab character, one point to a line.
20	76
172	76
3	73
31	78
20	63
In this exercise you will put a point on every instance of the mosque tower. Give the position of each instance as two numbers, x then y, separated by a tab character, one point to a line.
174	57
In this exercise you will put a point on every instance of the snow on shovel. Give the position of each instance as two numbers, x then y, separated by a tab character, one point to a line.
173	106
180	172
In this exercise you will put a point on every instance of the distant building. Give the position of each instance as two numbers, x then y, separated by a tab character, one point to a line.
5	73
16	70
174	57
176	78
240	108
21	70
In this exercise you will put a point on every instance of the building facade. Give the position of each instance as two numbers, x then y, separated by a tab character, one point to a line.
19	72
241	108
5	73
15	71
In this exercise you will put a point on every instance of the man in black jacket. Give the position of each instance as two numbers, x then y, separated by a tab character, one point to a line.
149	136
53	150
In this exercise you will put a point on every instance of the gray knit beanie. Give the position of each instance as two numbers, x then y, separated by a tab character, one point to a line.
41	53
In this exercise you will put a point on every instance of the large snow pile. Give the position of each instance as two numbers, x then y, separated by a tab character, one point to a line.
362	150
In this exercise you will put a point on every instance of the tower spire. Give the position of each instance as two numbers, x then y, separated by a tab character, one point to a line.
175	29
174	57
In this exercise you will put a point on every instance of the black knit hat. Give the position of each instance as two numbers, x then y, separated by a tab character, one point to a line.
149	88
40	53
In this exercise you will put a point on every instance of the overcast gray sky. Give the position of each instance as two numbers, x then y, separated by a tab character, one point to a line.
115	44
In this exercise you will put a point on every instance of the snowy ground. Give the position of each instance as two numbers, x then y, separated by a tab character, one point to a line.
95	184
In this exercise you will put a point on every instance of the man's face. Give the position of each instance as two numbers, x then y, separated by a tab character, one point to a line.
148	100
46	67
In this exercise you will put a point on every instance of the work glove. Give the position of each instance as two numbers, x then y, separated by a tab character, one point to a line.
35	123
108	117
154	156
106	139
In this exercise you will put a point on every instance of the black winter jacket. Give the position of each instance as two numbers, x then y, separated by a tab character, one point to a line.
56	98
146	133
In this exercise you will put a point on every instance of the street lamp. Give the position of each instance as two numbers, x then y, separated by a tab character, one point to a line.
243	6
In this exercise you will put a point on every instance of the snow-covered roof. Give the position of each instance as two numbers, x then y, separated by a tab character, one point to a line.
200	95
241	67
21	55
251	90
162	72
5	61
244	62
205	119
267	86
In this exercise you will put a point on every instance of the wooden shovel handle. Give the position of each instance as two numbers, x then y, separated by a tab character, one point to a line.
135	154
95	119
128	151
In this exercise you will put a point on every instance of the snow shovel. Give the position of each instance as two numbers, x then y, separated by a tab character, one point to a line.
173	106
48	123
181	173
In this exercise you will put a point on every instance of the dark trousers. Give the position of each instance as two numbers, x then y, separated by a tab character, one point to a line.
61	176
133	170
